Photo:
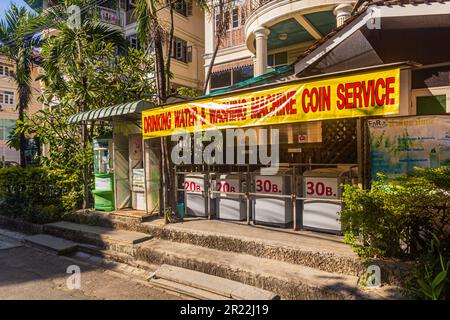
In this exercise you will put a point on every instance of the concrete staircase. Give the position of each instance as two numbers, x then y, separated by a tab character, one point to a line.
203	286
289	280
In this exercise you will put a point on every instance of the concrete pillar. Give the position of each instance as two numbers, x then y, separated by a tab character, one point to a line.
342	13
261	35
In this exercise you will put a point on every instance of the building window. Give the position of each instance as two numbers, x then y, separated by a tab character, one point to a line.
6	97
182	7
181	50
6	70
429	101
221	79
226	78
134	42
235	17
6	127
242	74
277	60
431	105
226	20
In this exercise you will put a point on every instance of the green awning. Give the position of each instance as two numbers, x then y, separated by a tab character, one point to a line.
109	112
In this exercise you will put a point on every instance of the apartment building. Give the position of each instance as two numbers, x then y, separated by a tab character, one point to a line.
264	35
8	104
189	41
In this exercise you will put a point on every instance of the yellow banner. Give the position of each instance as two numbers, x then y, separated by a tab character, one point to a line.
357	95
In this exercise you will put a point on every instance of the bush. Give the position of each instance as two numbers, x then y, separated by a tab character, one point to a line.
36	194
398	218
431	277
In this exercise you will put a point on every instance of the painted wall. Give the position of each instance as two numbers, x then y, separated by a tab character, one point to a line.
9	112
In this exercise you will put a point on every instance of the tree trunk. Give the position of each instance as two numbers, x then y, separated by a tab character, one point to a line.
22	139
85	167
219	33
169	48
161	91
211	64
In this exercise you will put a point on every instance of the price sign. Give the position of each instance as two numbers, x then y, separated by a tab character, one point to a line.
227	185
194	185
324	188
266	184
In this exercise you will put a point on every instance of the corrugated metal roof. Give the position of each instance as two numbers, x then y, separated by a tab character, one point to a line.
112	111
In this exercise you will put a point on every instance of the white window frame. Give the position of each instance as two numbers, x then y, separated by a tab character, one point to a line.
428	92
6	70
136	39
7	92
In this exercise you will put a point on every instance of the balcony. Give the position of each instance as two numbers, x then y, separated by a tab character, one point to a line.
130	18
110	16
289	22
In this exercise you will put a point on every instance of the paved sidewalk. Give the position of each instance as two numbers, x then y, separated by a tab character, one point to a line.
29	273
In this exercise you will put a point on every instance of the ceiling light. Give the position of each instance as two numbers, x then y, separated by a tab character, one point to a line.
283	36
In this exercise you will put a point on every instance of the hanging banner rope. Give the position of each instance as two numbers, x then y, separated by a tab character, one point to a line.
356	95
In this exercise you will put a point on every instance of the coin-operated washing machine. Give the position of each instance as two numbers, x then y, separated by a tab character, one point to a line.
197	201
269	210
229	206
324	185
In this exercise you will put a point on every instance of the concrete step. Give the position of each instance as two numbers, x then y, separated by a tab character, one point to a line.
54	244
323	252
288	280
185	290
102	237
216	285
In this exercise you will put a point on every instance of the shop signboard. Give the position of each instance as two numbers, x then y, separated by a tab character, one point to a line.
400	144
346	96
321	187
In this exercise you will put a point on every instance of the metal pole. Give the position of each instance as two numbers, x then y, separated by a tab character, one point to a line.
114	165
207	183
145	174
294	200
359	150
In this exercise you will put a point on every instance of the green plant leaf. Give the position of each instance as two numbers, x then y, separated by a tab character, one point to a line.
438	279
425	288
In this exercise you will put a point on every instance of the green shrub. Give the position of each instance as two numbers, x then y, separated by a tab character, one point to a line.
36	194
398	218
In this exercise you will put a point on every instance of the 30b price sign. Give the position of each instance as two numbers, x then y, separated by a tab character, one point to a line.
324	188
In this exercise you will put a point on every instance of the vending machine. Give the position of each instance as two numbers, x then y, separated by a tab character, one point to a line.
322	187
103	176
197	201
267	209
230	206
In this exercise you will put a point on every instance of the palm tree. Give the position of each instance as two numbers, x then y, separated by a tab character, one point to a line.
18	44
65	56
